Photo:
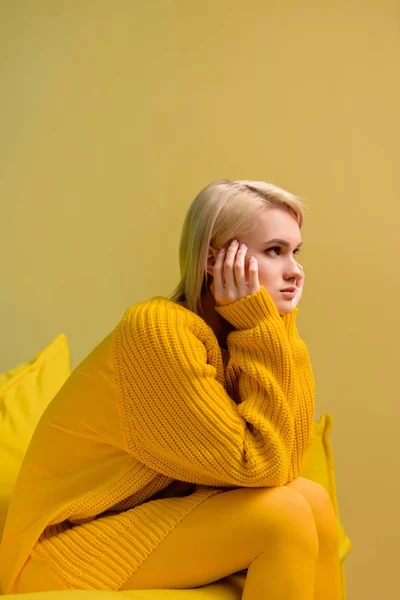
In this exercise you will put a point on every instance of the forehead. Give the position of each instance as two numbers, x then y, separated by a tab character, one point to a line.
276	223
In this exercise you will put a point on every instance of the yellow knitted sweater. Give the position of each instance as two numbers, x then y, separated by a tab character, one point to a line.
149	425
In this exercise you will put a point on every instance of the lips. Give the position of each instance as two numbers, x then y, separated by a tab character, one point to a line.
289	289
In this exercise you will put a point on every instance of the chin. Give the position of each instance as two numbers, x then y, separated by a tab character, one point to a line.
284	308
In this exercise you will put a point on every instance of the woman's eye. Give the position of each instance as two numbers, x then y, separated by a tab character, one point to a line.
277	248
274	248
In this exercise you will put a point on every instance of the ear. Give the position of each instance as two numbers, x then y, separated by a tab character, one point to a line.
212	255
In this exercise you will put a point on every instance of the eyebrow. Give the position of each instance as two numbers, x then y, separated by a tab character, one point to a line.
282	242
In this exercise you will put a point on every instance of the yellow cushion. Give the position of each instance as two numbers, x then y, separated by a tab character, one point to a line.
221	590
319	467
25	392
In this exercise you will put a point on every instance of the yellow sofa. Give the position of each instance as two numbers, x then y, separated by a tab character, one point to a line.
26	390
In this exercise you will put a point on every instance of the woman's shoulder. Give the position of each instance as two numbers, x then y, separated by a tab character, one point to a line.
160	313
164	332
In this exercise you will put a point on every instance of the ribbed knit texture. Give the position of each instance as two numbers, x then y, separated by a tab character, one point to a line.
154	421
103	553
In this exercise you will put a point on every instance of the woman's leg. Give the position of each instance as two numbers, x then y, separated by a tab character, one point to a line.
270	531
327	580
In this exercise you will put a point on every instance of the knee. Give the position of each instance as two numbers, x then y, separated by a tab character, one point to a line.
324	516
294	522
322	508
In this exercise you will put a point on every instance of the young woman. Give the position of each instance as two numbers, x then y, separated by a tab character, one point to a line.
172	456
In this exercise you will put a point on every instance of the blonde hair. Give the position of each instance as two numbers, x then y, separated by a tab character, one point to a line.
222	211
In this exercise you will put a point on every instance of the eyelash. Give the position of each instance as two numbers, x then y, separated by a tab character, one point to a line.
278	248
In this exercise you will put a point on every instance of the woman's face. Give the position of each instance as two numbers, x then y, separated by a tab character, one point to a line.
277	260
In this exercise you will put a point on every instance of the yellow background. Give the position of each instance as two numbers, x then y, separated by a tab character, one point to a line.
113	115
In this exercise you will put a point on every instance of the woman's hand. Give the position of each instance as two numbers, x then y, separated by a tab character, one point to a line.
229	283
299	288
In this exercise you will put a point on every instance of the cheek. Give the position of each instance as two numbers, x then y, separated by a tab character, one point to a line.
267	271
270	277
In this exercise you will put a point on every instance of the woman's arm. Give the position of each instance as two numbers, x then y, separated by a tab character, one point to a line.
177	416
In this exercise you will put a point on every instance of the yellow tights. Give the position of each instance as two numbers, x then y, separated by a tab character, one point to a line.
286	538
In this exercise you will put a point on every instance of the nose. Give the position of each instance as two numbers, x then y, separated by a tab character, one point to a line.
294	270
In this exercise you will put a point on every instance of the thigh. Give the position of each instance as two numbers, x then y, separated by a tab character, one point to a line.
221	536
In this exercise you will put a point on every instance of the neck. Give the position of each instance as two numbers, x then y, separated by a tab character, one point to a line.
218	324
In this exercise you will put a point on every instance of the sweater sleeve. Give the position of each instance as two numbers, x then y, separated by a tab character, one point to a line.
177	416
300	395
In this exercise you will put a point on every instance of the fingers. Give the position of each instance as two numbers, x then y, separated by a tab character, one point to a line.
217	272
230	276
302	270
240	274
228	265
254	283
